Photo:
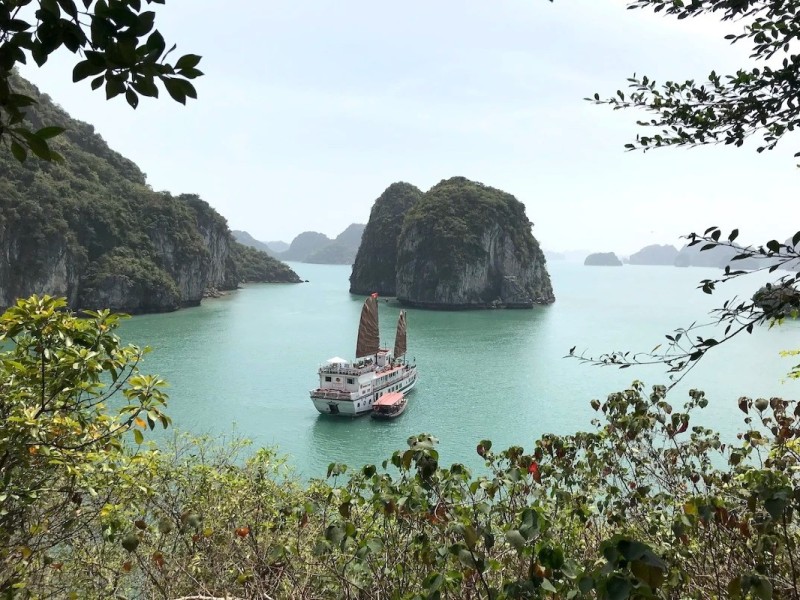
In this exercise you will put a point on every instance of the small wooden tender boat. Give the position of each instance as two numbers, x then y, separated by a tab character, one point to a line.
389	406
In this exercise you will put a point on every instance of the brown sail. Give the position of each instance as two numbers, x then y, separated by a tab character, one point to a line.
368	338
400	337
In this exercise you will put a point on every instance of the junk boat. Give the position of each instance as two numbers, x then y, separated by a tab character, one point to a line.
350	389
389	406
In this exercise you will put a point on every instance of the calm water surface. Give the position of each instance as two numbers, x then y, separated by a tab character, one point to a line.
245	362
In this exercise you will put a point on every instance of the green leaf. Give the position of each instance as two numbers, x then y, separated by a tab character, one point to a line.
50	132
470	536
51	6
68	6
548	587
632	550
114	87
175	89
86	69
145	86
652	576
18	151
137	436
586	584
735	588
515	538
618	588
775	506
762	588
132	98
187	61
38	146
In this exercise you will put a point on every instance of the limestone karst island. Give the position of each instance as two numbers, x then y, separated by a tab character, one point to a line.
460	245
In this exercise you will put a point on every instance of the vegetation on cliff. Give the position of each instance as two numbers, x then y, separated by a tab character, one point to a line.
453	216
246	239
375	266
465	244
66	225
252	265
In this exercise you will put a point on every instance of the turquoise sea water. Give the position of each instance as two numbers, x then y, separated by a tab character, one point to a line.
246	362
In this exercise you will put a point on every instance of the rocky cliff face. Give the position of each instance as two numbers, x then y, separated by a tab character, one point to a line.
28	267
466	245
375	266
91	229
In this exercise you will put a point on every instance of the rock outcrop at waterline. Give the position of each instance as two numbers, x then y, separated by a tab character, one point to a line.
602	259
91	229
466	245
375	266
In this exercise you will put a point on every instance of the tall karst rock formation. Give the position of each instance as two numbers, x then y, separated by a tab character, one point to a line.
467	245
375	269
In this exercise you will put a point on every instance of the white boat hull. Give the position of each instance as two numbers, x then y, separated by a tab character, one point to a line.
360	405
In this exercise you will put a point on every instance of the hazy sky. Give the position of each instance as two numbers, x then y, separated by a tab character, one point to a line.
310	109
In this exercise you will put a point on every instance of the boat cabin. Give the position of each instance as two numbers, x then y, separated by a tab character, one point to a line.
389	405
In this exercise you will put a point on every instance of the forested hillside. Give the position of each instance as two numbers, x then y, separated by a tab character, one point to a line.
91	229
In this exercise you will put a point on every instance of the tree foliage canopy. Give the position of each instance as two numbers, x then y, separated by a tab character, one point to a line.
759	100
118	46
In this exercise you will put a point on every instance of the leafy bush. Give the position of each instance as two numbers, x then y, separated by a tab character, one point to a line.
61	450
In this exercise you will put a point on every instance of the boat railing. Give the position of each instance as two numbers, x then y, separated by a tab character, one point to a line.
331	395
337	370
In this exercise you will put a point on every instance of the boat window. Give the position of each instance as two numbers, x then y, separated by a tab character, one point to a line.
349	380
327	378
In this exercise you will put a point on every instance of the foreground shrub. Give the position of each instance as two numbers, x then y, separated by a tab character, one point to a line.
59	445
648	505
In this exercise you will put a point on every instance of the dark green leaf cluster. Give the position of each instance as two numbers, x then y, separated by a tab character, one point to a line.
121	49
